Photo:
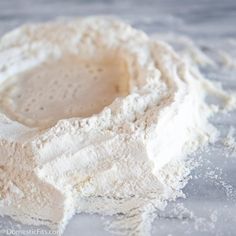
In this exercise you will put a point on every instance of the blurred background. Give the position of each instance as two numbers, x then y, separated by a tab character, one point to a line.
145	14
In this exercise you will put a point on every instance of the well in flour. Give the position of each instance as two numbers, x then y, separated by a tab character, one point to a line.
63	88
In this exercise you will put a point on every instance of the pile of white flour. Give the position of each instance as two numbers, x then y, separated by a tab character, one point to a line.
97	117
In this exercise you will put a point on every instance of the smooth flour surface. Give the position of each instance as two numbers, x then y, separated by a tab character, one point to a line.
56	90
97	117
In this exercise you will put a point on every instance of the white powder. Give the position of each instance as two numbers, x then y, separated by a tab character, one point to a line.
97	117
230	142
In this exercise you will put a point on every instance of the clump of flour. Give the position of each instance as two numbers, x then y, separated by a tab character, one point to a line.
97	117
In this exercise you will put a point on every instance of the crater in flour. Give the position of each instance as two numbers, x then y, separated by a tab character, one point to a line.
63	88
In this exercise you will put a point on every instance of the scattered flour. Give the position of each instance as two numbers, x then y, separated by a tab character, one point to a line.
230	142
97	117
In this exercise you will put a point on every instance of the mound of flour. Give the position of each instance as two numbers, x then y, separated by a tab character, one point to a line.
97	117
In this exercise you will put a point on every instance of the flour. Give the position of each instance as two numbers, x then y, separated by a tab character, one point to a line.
97	117
230	142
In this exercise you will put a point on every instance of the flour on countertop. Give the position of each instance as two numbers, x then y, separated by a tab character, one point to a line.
97	117
230	142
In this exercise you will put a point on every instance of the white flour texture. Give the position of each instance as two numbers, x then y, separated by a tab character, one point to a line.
97	117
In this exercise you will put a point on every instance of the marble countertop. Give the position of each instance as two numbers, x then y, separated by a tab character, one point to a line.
209	208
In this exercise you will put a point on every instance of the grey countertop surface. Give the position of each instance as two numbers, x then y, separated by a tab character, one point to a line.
209	208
